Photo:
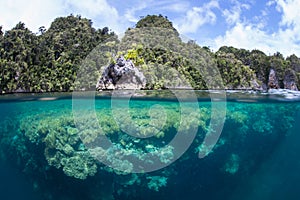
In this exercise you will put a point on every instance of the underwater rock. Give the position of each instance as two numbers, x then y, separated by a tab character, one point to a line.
156	182
122	75
49	147
62	146
232	164
79	166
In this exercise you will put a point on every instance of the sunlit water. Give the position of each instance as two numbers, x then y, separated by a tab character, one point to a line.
256	156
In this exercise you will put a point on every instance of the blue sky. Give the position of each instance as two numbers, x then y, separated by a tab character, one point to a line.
268	25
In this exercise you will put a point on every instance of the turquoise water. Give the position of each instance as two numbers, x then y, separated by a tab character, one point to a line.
149	147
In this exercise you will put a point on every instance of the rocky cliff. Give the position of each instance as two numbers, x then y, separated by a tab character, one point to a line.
289	80
121	75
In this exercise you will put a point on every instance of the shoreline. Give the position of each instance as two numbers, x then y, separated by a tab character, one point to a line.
166	94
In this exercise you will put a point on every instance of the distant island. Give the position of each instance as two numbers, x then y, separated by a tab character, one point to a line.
49	61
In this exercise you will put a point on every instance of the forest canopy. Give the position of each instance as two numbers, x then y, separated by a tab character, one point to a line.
48	61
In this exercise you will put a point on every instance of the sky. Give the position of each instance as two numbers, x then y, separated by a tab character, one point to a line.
268	25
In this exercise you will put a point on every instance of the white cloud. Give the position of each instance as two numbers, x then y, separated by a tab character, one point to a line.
253	37
33	13
290	11
36	13
148	6
290	21
198	16
93	8
270	3
244	36
101	13
233	14
130	13
285	39
179	7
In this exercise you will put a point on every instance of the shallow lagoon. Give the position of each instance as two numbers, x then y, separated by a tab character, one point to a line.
46	154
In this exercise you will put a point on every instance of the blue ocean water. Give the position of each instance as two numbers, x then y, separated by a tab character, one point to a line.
45	155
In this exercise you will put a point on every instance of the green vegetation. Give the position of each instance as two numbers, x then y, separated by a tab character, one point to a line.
49	60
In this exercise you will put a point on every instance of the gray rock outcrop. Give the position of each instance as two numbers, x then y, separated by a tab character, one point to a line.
122	75
273	80
290	80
